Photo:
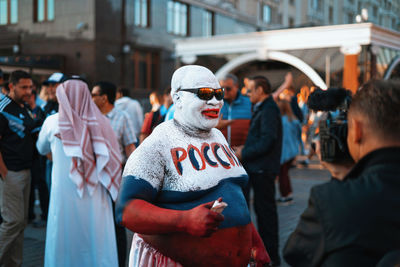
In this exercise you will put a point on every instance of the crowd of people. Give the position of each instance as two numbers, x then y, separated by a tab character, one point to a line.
180	177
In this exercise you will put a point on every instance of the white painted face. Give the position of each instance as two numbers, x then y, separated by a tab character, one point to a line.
191	111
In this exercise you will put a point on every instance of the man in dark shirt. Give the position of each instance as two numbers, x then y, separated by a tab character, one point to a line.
16	150
355	222
261	158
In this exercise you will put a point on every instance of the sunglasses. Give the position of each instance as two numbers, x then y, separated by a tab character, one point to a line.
206	93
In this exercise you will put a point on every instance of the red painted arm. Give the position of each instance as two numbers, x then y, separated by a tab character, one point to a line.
261	255
145	218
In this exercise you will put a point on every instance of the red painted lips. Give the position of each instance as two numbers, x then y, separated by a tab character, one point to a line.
211	113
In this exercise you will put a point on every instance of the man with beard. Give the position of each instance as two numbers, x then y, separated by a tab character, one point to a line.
172	179
16	151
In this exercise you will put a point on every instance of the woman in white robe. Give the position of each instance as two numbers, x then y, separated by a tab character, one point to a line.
85	175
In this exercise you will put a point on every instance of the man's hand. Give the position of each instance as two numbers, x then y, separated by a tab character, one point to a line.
238	151
338	171
223	123
288	79
3	168
202	221
3	172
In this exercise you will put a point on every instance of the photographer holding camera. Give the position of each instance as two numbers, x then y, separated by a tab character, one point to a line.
355	221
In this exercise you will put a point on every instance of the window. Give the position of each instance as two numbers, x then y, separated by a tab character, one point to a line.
142	13
350	18
291	22
331	14
8	12
44	10
317	4
177	18
375	11
146	65
266	15
208	23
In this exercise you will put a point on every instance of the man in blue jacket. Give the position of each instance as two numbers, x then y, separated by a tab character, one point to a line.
236	112
261	158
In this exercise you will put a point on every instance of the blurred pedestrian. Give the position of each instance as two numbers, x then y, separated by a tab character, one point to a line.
86	172
38	170
43	96
16	144
291	141
132	107
236	112
261	157
2	83
52	82
303	97
169	114
154	117
103	95
288	81
166	102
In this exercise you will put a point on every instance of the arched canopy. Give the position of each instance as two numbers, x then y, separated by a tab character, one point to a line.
395	62
272	55
306	49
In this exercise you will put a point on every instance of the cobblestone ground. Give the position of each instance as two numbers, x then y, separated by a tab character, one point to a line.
302	181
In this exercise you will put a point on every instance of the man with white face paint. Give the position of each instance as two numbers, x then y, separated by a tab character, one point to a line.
172	179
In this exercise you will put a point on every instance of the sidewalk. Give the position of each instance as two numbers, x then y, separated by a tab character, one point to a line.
302	181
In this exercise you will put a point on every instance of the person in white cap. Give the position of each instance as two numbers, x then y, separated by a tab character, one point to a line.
172	179
52	82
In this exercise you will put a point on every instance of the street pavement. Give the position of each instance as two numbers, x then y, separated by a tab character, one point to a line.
302	181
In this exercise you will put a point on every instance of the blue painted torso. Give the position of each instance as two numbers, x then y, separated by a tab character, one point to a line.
177	170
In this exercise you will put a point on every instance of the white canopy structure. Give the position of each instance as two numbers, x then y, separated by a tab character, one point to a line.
307	49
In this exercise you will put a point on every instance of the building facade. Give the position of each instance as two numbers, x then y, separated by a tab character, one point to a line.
300	13
131	42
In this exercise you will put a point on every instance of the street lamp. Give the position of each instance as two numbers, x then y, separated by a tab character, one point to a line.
363	17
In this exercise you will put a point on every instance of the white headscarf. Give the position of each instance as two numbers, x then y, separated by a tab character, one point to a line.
88	138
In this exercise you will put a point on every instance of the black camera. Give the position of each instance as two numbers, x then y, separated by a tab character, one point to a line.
334	104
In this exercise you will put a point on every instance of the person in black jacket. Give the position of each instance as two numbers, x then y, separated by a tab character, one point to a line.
355	222
261	158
